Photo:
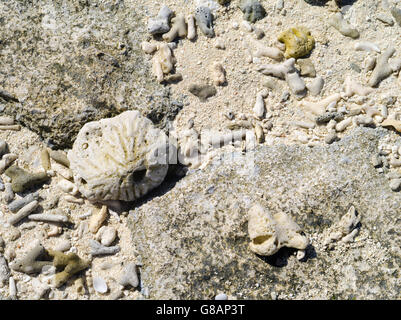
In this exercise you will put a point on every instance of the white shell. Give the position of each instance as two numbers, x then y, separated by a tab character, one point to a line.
99	285
119	158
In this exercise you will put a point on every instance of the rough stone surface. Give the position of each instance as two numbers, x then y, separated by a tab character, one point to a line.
193	240
70	62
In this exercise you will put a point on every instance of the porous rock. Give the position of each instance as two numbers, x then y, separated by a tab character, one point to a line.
315	186
87	66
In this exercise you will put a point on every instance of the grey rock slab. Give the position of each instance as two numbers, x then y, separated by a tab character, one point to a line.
76	61
194	245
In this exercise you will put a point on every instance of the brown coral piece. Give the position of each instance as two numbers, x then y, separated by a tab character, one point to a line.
71	263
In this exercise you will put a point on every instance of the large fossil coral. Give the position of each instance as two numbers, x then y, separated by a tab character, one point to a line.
119	158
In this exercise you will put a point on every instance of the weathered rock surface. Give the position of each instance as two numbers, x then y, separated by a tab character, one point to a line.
70	62
193	239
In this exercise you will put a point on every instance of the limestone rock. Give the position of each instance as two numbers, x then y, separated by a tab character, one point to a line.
199	233
87	66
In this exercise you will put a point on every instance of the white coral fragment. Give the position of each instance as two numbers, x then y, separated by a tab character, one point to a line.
269	232
319	107
218	74
191	27
119	158
345	230
178	29
261	50
163	61
352	87
338	22
366	46
382	69
278	70
148	47
259	107
287	71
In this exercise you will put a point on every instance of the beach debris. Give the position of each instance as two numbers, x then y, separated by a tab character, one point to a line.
331	137
163	61
366	46
161	23
344	230
12	288
265	51
4	121
40	288
218	74
60	157
296	84
8	192
4	271
191	35
15	127
387	20
97	249
396	13
352	87
23	212
369	63
270	232
70	263
286	70
148	47
45	159
382	69
306	67
278	70
396	124
338	22
48	217
97	219
67	187
318	108
19	203
4	149
124	163
29	263
259	107
99	285
22	180
63	245
253	10
7	96
316	86
202	91
130	276
204	20
106	235
298	42
342	125
178	29
6	161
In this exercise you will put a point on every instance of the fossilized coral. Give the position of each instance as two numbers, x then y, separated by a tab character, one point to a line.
119	158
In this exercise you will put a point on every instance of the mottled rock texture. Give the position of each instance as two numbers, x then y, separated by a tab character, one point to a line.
193	239
70	62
